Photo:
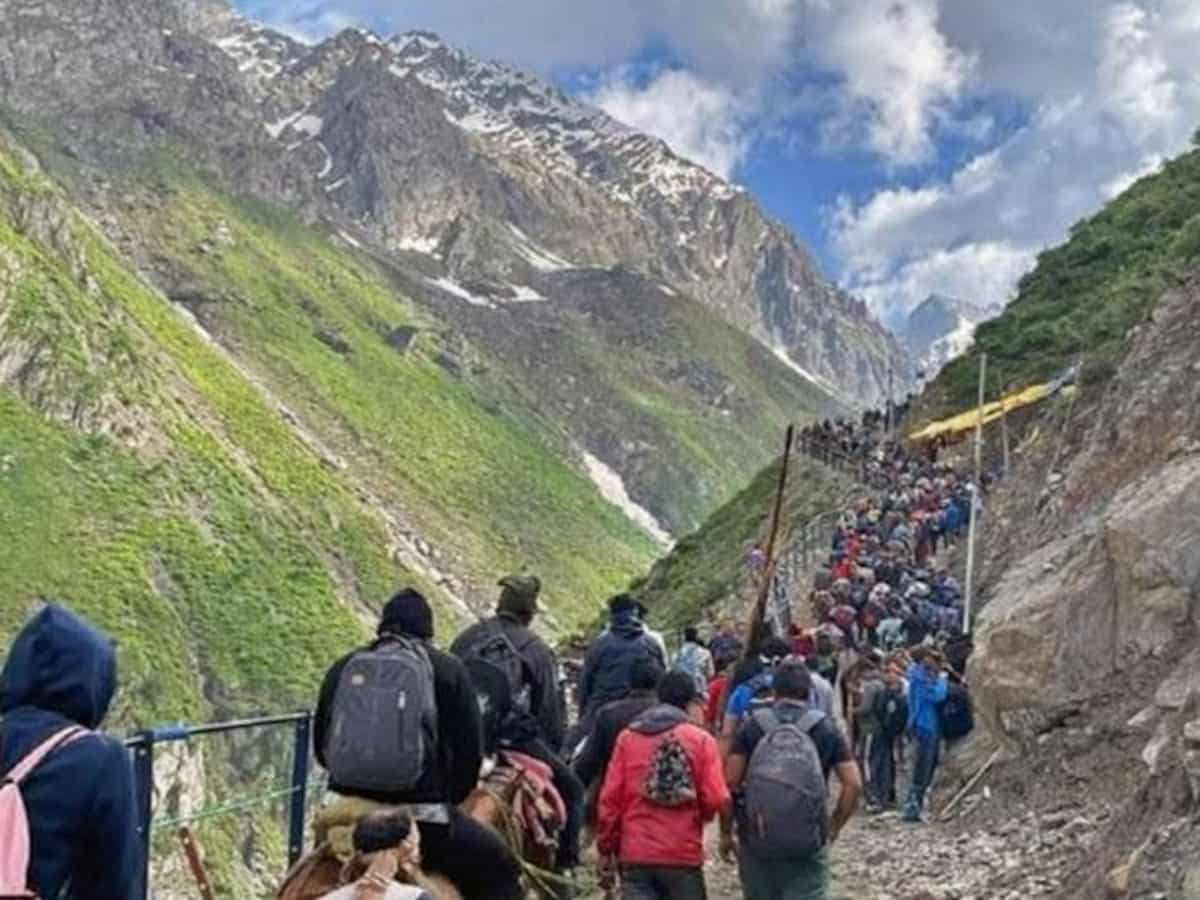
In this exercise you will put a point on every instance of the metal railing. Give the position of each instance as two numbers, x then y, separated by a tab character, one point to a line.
142	746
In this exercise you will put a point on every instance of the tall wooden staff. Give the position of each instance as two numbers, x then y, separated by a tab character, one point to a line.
764	593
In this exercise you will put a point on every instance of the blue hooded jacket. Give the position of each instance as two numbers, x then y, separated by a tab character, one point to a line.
926	692
82	815
609	663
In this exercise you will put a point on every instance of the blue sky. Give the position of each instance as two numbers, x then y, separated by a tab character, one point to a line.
913	145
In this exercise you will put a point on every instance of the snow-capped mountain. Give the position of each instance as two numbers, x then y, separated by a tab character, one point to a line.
940	329
523	220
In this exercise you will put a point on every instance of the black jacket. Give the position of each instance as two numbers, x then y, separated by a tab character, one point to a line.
610	721
460	741
541	672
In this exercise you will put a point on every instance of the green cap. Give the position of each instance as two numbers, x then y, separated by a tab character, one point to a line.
519	593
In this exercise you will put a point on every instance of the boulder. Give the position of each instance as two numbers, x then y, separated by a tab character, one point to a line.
1115	587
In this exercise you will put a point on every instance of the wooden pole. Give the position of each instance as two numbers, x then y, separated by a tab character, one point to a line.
760	608
195	863
1004	432
972	525
945	813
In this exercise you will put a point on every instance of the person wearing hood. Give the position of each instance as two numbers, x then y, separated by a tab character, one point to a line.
61	674
655	636
613	718
609	663
663	785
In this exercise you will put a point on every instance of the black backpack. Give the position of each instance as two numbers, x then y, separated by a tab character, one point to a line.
500	677
383	721
891	707
956	714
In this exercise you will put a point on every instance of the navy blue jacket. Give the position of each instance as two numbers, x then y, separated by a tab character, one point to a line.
82	815
610	660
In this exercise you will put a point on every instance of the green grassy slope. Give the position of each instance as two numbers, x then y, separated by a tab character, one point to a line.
149	478
707	567
1084	296
146	482
151	481
465	461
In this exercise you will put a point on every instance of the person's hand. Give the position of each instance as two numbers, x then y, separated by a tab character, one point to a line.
606	869
728	847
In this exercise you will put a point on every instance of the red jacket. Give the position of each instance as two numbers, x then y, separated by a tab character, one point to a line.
716	694
640	832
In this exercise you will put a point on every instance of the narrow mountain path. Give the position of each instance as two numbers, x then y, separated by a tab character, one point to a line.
882	858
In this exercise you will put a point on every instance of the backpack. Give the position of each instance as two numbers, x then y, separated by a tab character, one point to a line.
14	820
786	797
499	674
891	707
957	714
383	724
669	780
824	644
689	660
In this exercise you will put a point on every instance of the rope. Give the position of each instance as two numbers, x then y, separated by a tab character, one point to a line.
221	810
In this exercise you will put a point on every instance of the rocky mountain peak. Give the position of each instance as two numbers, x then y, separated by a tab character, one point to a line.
942	328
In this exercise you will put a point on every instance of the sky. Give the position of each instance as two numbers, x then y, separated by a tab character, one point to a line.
916	146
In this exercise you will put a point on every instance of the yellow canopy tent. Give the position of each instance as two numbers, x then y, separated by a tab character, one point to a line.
957	427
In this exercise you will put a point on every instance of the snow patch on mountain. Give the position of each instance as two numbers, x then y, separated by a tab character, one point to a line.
418	244
454	288
822	382
538	257
612	488
941	329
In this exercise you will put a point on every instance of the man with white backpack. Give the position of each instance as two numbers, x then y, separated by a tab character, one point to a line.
778	770
68	819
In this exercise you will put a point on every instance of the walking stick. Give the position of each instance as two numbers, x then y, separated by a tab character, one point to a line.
764	592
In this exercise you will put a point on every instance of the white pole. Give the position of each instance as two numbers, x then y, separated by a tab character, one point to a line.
970	563
971	527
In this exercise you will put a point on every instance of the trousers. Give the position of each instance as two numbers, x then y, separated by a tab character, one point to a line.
662	883
472	856
881	761
784	879
927	750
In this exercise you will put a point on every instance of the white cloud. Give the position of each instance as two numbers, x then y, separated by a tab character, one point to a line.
899	72
700	121
1112	108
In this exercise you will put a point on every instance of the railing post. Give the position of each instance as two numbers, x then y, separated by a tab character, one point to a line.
299	795
143	773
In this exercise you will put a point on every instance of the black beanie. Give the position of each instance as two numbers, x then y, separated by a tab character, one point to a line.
407	613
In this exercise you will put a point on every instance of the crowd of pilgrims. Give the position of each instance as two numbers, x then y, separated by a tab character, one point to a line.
661	742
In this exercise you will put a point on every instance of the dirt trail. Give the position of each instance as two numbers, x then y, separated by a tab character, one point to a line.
882	858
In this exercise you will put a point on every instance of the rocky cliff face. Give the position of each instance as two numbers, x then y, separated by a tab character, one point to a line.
1087	648
472	168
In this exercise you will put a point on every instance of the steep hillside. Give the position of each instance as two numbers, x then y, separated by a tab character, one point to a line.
97	359
706	575
1084	296
1088	641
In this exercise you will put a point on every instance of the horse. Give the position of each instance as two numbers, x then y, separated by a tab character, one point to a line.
515	797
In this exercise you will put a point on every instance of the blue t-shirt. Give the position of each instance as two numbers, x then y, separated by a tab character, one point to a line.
743	695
